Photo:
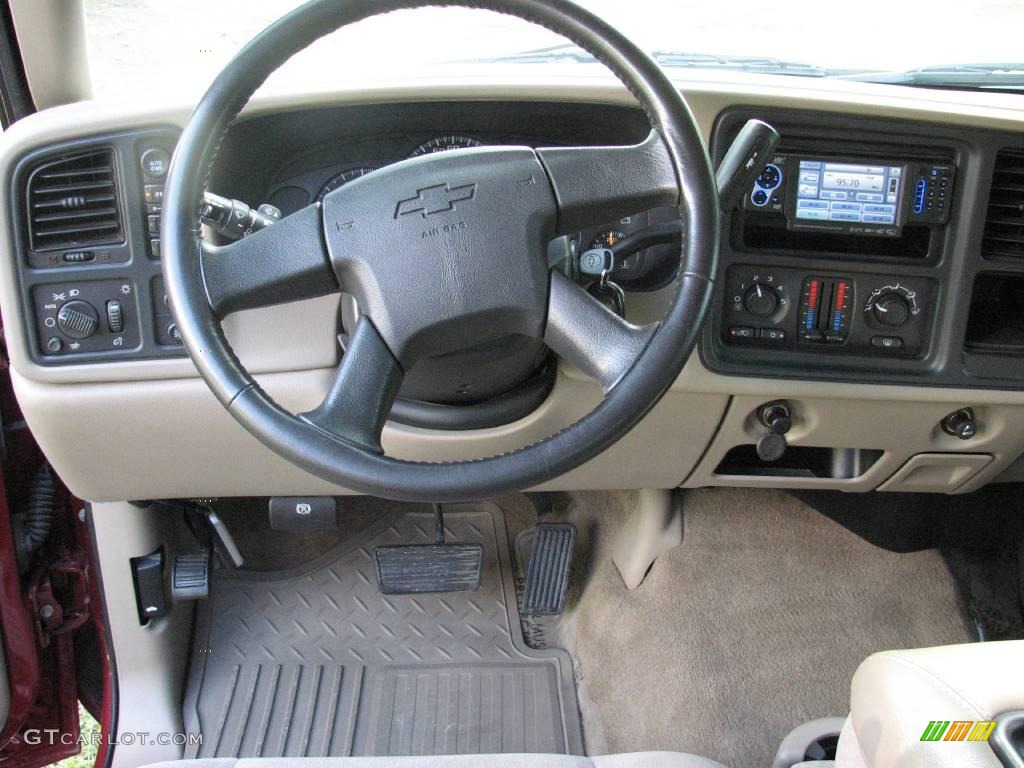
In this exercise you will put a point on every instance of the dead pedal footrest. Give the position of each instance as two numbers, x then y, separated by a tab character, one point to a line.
547	576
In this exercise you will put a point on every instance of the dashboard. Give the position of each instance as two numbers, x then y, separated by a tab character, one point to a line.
874	250
870	280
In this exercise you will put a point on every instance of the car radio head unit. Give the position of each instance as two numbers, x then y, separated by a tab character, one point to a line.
853	195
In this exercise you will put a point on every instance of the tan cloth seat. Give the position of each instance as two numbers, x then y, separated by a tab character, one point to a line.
896	694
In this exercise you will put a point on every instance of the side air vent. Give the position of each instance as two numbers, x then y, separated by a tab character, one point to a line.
72	202
1004	224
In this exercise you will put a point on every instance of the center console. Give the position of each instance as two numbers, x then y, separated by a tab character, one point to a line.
849	257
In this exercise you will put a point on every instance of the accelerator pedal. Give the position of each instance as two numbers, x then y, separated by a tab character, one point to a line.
439	567
547	576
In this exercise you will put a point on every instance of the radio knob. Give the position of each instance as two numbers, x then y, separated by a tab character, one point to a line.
760	300
891	310
78	319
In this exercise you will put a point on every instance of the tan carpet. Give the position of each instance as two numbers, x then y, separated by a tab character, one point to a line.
754	625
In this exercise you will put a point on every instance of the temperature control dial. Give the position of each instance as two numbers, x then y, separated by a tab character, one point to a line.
761	300
891	309
892	305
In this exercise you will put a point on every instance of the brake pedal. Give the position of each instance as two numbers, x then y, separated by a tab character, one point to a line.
438	567
547	575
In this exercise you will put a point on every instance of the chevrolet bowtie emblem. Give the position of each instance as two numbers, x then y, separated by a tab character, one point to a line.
435	199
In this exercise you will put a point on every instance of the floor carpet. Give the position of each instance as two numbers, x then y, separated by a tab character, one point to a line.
752	626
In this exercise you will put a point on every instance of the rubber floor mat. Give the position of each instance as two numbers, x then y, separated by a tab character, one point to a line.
317	662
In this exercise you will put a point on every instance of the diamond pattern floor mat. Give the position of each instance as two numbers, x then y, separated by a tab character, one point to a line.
317	662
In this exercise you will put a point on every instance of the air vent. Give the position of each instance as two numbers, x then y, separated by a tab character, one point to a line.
72	202
1004	225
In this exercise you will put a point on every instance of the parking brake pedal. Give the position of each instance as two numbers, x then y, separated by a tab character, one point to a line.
547	576
438	567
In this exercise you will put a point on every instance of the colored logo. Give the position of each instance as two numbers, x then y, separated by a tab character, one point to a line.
958	730
435	199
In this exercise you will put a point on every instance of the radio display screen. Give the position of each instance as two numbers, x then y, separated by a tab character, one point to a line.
852	196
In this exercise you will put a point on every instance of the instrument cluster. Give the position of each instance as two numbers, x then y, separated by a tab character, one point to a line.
435	144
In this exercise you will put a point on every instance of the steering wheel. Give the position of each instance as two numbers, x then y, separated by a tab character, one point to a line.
444	252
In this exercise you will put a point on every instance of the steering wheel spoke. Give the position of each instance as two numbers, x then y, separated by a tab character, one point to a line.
595	185
588	335
363	390
285	262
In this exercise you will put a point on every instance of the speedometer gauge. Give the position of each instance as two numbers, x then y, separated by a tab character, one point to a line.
444	143
606	239
341	180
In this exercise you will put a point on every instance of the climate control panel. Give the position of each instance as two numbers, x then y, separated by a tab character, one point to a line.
861	313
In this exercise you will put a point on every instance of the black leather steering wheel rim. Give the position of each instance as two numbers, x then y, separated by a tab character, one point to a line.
659	357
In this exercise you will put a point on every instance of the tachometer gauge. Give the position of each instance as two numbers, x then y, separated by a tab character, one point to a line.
341	180
444	143
606	239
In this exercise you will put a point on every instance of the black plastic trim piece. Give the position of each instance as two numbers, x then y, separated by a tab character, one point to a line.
952	264
128	261
493	412
1008	740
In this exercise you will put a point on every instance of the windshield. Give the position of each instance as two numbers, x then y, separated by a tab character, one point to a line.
176	47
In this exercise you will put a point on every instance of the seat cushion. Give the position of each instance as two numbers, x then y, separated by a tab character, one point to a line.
629	760
896	694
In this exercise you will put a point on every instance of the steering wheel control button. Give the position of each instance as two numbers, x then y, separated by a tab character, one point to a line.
155	162
303	513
